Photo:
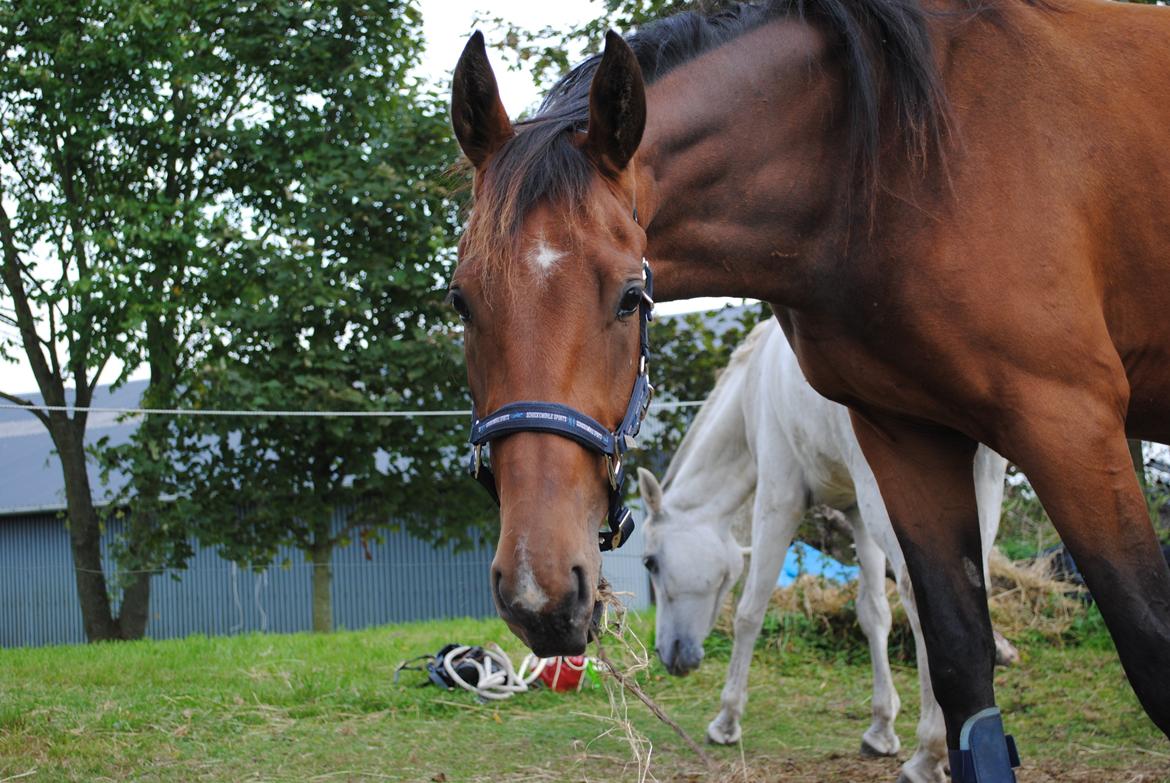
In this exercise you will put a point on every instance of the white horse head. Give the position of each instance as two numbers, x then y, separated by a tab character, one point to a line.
693	561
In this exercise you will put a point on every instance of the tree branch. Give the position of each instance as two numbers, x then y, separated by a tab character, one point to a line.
51	385
21	401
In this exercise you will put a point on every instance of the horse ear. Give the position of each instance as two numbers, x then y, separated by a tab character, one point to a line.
650	490
617	107
481	123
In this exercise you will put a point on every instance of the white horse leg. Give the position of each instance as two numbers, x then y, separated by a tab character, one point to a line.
927	763
778	507
990	470
873	614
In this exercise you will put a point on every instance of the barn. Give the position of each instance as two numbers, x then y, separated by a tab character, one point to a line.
398	579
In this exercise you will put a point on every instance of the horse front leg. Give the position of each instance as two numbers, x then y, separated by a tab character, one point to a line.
776	513
924	473
1076	457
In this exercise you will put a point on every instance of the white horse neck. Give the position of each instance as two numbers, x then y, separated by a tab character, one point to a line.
713	473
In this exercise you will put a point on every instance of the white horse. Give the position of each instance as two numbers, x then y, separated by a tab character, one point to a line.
767	445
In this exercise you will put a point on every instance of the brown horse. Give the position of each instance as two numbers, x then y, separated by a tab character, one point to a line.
960	213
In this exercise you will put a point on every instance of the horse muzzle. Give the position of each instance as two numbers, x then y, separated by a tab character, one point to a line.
549	626
681	657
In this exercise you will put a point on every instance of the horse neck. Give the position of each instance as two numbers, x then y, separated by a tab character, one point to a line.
741	167
713	474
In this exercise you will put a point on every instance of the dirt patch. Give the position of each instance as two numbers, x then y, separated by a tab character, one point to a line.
840	768
833	768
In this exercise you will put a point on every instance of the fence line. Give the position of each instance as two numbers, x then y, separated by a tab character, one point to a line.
286	413
272	566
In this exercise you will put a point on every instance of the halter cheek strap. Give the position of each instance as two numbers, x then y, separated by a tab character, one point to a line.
558	419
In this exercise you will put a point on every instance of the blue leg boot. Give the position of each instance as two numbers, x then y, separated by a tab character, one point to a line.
985	754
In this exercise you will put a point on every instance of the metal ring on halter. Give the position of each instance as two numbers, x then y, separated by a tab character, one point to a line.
478	460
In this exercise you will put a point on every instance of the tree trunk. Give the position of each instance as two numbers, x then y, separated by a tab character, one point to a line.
135	611
1139	462
321	555
85	539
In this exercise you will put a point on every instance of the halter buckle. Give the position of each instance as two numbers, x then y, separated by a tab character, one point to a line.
613	464
477	460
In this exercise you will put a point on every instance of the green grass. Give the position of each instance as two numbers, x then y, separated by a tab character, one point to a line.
304	707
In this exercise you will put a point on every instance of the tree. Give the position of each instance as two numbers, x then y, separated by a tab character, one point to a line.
111	140
144	150
341	307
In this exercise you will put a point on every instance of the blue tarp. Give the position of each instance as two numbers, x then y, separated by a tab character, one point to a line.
803	559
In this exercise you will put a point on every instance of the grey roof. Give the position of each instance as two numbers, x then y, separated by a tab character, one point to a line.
30	472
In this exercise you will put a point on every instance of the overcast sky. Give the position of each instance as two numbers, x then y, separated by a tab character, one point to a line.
446	26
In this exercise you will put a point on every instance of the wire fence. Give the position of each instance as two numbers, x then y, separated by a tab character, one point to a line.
413	414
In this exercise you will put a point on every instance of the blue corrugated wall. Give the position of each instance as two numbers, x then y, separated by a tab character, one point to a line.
405	579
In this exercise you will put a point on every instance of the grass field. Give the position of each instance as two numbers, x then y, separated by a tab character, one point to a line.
324	708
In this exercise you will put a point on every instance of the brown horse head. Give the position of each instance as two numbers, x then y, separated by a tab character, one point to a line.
548	285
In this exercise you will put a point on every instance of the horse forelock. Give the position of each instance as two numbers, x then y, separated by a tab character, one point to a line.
539	165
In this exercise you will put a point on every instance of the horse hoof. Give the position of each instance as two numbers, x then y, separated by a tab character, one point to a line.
716	735
870	752
1006	653
936	775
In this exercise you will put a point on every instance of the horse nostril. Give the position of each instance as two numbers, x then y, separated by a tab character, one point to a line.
582	586
497	579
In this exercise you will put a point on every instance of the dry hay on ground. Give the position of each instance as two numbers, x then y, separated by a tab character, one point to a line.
1025	597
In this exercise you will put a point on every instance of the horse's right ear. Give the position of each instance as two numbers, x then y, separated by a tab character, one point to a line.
650	490
481	123
617	107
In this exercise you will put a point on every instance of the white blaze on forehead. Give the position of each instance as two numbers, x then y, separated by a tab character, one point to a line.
543	255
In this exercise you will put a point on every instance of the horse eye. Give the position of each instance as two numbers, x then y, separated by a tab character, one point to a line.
651	564
631	299
460	304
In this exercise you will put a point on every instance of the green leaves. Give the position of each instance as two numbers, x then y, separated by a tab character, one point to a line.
340	306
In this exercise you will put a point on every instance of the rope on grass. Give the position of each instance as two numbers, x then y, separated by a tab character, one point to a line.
497	678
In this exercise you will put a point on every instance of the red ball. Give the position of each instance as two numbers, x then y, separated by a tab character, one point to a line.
564	674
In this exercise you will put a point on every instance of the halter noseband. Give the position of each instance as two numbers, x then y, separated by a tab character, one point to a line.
558	419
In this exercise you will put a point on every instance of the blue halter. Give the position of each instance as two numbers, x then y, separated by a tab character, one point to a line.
558	419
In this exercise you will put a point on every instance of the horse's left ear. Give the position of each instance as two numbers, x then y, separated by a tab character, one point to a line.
481	123
617	107
650	490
